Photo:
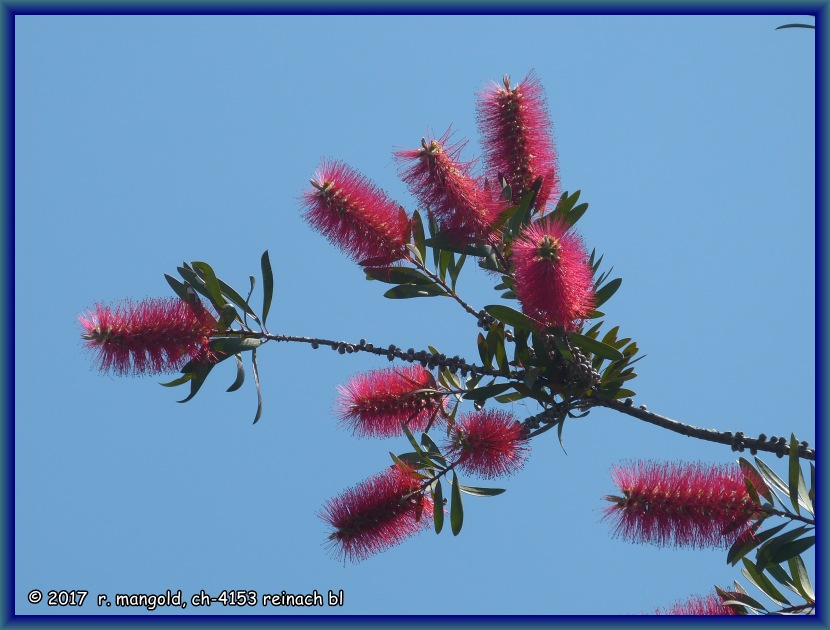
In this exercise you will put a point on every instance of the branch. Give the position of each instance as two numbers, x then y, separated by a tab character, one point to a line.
737	441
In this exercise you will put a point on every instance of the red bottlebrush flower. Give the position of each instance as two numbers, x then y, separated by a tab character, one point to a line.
696	605
374	404
377	514
444	184
151	337
686	505
488	443
516	133
356	215
554	282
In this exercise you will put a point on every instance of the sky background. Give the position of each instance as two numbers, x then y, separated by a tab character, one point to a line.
144	141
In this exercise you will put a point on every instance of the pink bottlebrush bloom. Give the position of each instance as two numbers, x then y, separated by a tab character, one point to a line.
696	605
374	404
686	505
444	184
356	215
377	514
516	133
488	443
554	281
150	337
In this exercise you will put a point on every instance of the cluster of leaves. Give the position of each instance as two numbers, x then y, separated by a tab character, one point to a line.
778	548
541	356
199	278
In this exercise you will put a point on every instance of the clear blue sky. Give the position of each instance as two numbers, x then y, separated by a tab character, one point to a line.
145	141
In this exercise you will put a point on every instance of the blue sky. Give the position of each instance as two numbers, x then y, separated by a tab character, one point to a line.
144	141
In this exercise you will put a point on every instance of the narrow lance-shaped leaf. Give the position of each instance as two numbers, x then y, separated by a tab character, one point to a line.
267	285
763	583
481	492
240	374
456	508
438	506
205	272
256	382
512	317
595	347
605	293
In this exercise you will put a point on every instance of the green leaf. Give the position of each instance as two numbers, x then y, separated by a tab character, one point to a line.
798	487
801	578
446	259
778	28
511	397
256	382
763	583
230	293
770	477
605	293
416	254
455	269
741	547
740	598
480	492
441	243
412	439
211	284
413	460
429	444
780	575
794	474
228	317
178	381
768	551
576	214
597	348
405	291
418	234
267	285
396	275
481	394
240	374
791	549
750	472
511	317
483	351
456	508
234	345
178	288
198	373
438	506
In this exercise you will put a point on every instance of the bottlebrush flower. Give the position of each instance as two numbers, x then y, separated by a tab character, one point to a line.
554	282
374	404
696	605
488	443
149	337
377	514
444	184
354	214
687	505
516	133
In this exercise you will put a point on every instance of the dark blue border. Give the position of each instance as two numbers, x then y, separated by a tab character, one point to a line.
432	7
819	10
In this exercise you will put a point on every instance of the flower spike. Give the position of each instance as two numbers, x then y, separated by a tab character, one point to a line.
355	215
375	404
488	443
445	185
516	132
377	514
554	281
686	505
154	336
